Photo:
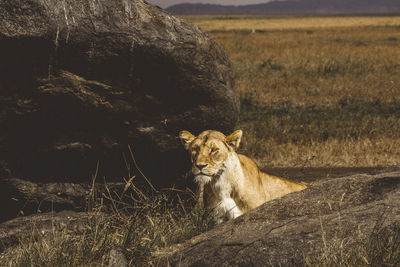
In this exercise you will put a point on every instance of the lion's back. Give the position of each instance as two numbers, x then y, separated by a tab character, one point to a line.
273	186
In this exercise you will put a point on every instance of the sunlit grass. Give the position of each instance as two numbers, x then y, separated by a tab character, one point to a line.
347	133
139	224
315	86
264	23
316	66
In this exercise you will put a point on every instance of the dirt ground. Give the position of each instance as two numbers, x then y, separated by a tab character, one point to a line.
312	175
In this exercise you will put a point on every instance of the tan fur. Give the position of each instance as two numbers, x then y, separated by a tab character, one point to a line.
232	183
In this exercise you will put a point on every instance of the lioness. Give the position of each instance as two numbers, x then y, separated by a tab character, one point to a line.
232	183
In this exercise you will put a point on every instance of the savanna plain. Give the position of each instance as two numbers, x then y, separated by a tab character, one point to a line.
314	92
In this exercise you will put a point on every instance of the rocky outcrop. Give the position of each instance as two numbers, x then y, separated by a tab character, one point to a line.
20	197
81	80
41	225
299	226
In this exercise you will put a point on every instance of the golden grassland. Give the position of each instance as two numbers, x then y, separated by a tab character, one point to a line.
261	23
321	87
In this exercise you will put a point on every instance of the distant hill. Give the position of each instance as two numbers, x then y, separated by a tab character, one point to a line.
295	7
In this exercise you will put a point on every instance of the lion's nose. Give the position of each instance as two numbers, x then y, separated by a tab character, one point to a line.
200	166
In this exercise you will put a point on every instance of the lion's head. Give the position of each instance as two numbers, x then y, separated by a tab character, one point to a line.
209	151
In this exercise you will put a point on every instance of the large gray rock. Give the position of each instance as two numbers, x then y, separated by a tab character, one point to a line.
299	226
80	80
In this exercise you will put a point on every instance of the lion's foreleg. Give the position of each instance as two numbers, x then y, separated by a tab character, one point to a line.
226	209
200	195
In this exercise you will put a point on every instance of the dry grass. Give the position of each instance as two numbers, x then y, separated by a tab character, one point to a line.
136	219
143	225
339	153
347	133
296	77
137	224
381	247
317	66
265	22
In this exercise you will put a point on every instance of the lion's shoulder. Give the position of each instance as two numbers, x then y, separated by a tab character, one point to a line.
248	165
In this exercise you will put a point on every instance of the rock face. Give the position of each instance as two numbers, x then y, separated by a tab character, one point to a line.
80	80
13	231
287	231
21	197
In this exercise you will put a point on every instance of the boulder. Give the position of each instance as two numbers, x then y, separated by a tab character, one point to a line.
20	197
80	80
328	218
42	225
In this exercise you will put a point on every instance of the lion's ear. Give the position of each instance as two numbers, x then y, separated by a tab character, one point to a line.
233	140
186	138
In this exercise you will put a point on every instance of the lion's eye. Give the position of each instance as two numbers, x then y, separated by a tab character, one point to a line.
193	156
214	149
